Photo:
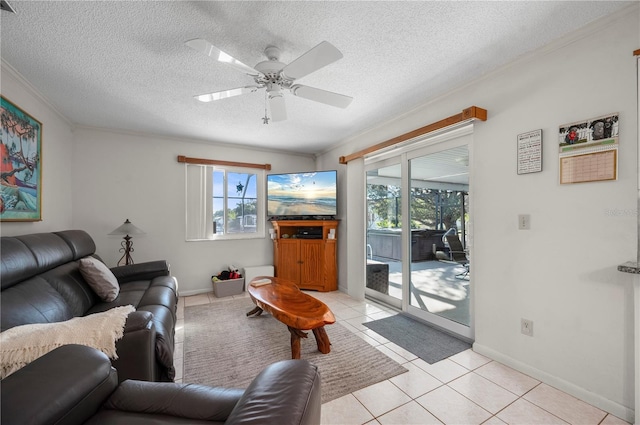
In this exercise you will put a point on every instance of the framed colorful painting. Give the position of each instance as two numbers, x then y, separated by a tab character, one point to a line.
21	167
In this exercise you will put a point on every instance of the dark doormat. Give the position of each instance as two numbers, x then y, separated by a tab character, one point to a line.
426	342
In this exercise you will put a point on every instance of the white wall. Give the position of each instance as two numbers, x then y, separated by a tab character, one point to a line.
119	176
57	143
562	274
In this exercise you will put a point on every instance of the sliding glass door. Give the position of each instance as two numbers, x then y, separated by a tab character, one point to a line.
439	216
419	261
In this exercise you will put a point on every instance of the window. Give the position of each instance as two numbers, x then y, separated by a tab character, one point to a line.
224	202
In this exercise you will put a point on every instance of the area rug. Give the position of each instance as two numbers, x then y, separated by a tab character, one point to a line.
426	342
224	347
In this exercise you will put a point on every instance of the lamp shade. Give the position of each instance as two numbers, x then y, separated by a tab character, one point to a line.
127	229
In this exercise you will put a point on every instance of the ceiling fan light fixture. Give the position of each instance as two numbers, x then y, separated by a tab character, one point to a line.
273	90
276	103
272	53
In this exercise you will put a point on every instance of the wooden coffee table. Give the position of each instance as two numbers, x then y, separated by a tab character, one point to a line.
297	310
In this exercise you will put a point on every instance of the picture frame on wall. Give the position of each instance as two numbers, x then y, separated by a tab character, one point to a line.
21	167
529	152
586	133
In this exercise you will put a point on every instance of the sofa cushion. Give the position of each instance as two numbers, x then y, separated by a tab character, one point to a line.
79	241
68	281
159	295
49	249
100	278
23	344
188	403
32	301
17	262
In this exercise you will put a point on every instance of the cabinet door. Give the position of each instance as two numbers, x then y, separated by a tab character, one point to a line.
312	267
330	266
288	261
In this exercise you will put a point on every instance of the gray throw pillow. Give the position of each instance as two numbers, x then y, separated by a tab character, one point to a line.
99	278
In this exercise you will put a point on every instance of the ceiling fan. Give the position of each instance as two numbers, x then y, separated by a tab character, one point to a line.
276	77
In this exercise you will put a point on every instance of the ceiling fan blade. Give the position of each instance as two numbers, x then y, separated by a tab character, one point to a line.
322	96
209	49
320	56
277	106
209	97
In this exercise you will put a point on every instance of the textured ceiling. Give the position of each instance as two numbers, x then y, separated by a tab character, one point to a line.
124	65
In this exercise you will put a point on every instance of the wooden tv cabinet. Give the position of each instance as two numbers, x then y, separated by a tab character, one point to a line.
305	253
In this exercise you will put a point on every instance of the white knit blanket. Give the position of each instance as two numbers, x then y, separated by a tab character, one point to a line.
23	344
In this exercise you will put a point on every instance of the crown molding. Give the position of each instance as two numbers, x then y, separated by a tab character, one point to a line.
5	67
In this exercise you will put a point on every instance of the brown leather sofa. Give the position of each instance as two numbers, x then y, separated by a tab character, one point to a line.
41	283
75	384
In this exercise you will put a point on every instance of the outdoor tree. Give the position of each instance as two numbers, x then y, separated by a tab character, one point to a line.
435	208
384	205
430	208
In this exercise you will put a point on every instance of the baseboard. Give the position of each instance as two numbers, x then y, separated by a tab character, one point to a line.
596	400
195	292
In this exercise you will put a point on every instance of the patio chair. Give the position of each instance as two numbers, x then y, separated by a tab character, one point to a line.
458	254
442	254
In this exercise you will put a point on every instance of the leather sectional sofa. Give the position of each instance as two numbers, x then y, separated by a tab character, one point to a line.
41	283
75	384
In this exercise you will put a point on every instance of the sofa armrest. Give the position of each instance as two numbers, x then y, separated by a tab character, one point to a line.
284	393
190	401
136	349
138	320
141	271
66	385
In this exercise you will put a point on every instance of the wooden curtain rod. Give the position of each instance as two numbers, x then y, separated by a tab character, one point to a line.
200	161
472	112
636	53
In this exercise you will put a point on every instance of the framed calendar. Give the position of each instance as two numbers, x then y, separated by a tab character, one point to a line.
588	150
589	167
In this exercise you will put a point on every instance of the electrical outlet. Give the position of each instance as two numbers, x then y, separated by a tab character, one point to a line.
524	221
526	327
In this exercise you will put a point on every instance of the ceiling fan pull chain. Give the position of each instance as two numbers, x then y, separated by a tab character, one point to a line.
265	119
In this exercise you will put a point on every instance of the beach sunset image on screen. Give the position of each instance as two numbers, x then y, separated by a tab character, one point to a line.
302	194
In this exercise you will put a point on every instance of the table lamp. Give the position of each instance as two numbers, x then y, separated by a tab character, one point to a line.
127	246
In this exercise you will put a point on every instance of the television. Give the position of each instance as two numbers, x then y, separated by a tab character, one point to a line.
308	195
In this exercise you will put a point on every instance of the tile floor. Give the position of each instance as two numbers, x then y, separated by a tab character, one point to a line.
466	388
